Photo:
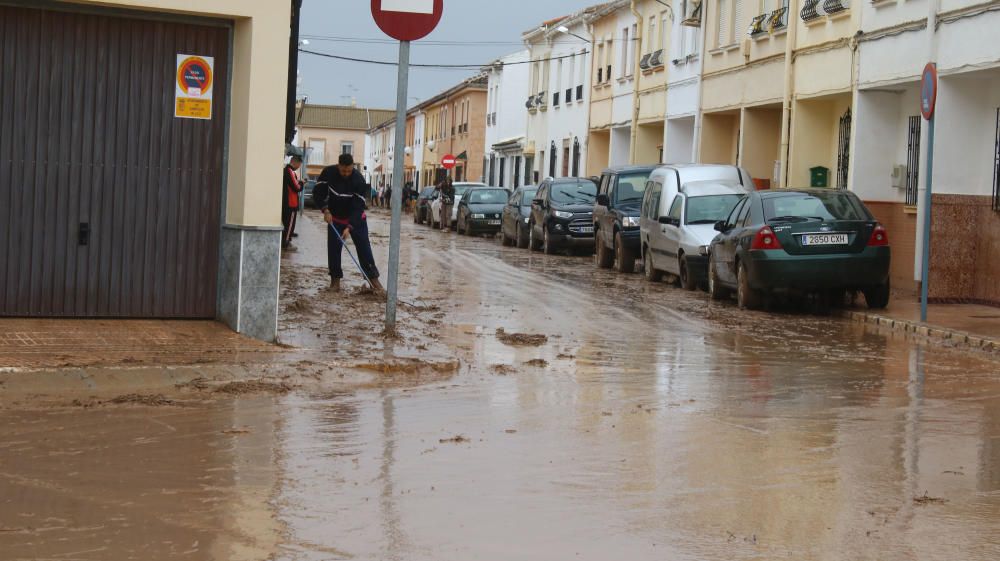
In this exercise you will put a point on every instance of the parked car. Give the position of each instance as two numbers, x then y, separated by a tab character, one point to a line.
562	215
479	210
665	183
515	217
460	189
422	211
677	233
307	194
616	216
809	240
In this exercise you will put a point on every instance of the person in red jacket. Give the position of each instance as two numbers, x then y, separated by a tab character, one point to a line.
292	186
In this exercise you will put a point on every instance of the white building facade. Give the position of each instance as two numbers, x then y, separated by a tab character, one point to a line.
683	118
505	164
558	103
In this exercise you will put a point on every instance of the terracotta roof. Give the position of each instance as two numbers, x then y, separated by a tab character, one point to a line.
342	117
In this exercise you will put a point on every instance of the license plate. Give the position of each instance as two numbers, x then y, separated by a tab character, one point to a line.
584	230
494	222
824	239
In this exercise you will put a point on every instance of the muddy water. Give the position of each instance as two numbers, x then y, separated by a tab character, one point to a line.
653	424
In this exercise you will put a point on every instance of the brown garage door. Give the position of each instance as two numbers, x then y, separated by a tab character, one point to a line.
109	206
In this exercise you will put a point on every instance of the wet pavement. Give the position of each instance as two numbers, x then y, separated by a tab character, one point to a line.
651	423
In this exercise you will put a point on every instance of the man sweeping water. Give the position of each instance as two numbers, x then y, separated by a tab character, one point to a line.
340	193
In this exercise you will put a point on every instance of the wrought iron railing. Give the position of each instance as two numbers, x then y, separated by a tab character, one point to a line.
809	12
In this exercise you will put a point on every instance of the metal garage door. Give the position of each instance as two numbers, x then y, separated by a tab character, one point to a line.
109	206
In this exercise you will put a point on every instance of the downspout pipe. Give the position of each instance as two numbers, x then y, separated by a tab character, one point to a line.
632	149
786	102
293	70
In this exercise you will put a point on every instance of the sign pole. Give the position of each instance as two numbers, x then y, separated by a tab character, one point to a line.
925	274
928	103
399	159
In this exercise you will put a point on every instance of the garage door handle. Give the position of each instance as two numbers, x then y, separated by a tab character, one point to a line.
83	236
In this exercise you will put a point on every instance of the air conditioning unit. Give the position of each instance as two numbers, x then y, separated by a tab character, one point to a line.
898	177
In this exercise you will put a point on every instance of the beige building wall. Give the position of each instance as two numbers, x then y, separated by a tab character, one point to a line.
257	110
333	140
655	27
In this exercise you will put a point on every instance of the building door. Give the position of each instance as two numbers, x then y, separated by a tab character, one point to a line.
109	206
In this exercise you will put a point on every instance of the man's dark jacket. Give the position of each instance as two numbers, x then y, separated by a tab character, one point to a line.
343	196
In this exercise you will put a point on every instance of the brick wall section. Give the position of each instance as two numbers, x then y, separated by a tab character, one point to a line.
965	249
902	227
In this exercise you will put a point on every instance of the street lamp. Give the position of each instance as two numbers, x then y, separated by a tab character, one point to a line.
564	29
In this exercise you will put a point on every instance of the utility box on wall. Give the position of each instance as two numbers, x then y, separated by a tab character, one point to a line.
819	176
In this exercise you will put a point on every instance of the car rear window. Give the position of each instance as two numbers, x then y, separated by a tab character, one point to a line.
488	196
814	206
710	209
583	192
631	186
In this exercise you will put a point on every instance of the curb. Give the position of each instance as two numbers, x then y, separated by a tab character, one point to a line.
939	334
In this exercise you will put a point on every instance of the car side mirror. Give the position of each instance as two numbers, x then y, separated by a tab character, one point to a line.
720	226
538	202
603	200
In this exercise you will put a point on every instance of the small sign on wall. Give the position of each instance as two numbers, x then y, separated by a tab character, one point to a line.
195	82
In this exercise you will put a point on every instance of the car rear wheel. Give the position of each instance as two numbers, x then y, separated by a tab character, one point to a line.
547	242
747	297
533	243
624	256
522	240
877	297
651	274
687	281
715	288
604	258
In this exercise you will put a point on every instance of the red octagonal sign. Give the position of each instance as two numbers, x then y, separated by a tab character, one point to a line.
407	20
449	161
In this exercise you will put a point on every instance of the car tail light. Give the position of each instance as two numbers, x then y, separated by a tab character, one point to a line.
765	239
880	237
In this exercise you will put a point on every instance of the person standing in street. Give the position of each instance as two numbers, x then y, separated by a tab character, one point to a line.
447	200
291	187
340	193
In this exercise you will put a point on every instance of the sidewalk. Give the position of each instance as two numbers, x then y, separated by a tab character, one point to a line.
962	324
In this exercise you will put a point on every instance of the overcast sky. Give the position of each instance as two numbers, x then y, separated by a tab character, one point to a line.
483	29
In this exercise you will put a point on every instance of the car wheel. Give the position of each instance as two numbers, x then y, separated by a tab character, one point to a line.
651	274
687	281
715	288
603	258
533	243
747	297
624	257
522	239
547	246
877	297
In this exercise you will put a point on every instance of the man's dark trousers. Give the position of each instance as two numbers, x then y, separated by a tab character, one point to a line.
359	235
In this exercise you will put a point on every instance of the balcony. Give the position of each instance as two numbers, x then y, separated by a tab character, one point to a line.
778	20
656	59
694	20
758	26
810	11
832	7
644	63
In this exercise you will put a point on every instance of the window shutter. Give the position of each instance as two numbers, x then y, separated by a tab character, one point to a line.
741	25
723	31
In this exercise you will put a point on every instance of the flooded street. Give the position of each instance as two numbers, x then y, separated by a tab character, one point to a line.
650	423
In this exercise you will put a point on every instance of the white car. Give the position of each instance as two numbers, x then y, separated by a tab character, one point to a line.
677	222
460	189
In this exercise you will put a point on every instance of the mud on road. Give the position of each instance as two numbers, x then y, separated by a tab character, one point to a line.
530	407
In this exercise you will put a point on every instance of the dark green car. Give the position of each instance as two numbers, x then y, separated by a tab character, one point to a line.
805	241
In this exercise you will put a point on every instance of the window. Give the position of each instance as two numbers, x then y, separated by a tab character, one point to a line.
677	209
632	46
664	30
996	166
317	152
732	220
599	60
347	148
844	150
652	37
572	72
724	32
559	75
912	160
503	167
624	52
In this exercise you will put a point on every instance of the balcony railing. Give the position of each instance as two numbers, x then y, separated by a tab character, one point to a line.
809	10
778	19
834	6
758	25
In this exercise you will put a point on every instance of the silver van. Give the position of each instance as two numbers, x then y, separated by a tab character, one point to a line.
679	210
